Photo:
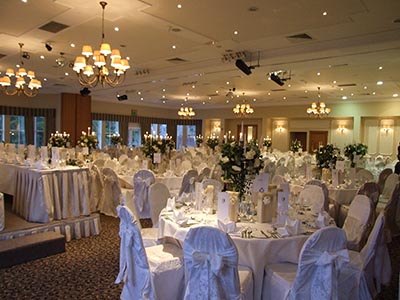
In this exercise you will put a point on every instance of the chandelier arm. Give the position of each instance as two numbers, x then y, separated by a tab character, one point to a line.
118	79
85	80
30	93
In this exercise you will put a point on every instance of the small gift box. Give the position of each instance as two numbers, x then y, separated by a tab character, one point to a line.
266	207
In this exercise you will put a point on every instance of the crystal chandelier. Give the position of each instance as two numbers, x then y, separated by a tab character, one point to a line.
91	74
186	112
318	109
20	84
243	109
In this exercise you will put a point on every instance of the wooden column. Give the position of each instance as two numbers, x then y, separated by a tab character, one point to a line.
75	115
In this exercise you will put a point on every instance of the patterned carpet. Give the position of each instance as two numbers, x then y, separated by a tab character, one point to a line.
89	266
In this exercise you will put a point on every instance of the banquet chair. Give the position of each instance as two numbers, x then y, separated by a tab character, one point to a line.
290	164
281	170
158	196
216	172
382	178
324	189
278	179
363	176
313	196
323	271
211	267
204	173
147	273
188	181
359	222
99	163
373	262
112	193
141	183
390	184
392	215
111	163
96	187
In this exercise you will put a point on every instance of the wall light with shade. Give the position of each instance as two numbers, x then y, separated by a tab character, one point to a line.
386	129
342	129
280	128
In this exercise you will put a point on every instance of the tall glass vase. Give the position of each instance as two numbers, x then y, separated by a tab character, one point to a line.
246	209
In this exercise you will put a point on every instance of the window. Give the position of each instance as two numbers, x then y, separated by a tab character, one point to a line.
2	136
104	130
17	130
159	129
186	136
134	135
39	131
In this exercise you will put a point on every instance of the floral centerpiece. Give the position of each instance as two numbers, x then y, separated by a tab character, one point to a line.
295	146
153	145
239	162
199	140
350	151
116	140
58	140
326	156
267	142
169	143
88	140
212	142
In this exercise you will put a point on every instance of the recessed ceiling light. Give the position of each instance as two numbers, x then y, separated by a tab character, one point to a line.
269	94
193	86
25	1
209	98
216	92
204	102
179	6
318	73
72	45
17	65
163	101
325	13
227	82
373	93
227	101
289	85
41	56
128	58
66	74
365	87
163	96
352	94
341	89
254	99
235	32
344	97
141	98
379	82
116	28
395	95
173	46
139	92
45	79
305	91
284	98
163	90
187	94
334	82
237	96
380	68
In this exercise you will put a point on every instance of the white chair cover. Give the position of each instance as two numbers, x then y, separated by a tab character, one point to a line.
281	170
204	173
141	183
388	188
370	189
158	196
278	179
359	222
382	178
363	176
99	163
112	194
324	189
188	181
322	273
211	266
313	196
392	215
111	163
96	186
148	273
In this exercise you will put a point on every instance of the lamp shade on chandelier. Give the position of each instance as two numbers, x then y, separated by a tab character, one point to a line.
104	66
21	78
318	109
186	112
243	109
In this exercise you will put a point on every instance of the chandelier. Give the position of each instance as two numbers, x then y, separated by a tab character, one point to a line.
20	84
186	112
318	109
243	109
90	74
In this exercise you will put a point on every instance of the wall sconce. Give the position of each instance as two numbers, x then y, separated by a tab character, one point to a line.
280	128
386	129
341	129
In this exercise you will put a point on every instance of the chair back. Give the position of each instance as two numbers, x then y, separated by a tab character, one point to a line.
382	178
278	179
281	170
211	265
313	196
359	222
390	184
158	197
204	173
363	176
188	181
324	189
99	163
392	214
112	193
370	189
134	268
322	257
141	183
96	187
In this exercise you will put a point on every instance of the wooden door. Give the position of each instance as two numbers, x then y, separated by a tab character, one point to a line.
249	131
317	138
301	137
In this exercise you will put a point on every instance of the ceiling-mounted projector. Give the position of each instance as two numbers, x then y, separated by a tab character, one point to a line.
243	66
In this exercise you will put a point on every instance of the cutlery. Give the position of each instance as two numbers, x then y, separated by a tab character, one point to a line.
264	234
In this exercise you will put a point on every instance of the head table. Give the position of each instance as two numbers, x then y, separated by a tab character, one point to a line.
255	251
47	194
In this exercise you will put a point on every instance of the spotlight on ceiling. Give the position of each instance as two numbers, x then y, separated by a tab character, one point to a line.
122	97
242	66
275	78
48	46
26	55
85	91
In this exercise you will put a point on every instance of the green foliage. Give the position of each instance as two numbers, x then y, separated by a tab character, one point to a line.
212	142
58	140
350	151
267	142
88	140
326	156
116	139
199	140
295	146
151	146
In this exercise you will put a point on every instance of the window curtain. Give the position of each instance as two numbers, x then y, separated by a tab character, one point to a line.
145	123
29	114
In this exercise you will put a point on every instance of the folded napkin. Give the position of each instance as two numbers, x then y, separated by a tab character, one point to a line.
169	173
184	198
170	204
322	220
180	218
292	227
40	165
227	226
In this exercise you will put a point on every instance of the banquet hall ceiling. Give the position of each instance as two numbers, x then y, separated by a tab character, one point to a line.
340	51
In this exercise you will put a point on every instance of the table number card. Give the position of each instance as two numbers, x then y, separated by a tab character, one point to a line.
157	158
265	207
223	206
198	195
335	177
260	183
340	165
145	164
283	207
308	172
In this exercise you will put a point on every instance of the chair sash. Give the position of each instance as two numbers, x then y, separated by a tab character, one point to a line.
141	186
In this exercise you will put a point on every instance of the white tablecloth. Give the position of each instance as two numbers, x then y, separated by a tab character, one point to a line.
45	195
172	183
254	253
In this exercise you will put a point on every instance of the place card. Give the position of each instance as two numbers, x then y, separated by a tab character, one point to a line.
340	165
223	206
260	183
157	158
308	172
145	164
335	177
198	195
266	207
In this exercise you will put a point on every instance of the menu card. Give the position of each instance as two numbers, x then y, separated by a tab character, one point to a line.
157	158
260	183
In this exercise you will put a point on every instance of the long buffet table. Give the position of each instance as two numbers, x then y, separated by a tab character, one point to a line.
46	195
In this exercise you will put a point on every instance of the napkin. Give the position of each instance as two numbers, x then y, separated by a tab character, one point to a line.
292	227
180	218
322	220
227	226
40	165
170	204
